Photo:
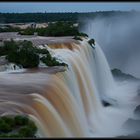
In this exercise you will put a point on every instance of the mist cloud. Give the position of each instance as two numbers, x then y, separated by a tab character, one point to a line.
119	37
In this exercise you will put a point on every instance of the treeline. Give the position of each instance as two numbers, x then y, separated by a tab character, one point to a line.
51	17
36	17
10	29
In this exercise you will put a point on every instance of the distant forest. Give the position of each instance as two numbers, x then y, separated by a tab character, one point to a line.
51	17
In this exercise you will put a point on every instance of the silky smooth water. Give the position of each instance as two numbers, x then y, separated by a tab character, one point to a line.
69	103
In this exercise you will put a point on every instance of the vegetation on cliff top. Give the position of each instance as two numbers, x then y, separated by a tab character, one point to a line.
118	73
17	127
56	29
23	53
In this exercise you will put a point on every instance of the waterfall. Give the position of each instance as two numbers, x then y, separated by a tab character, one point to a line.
105	79
11	67
74	95
68	103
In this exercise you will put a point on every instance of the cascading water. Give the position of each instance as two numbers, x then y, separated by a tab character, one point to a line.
11	67
66	104
104	77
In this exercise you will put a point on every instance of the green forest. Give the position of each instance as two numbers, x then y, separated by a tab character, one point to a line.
51	17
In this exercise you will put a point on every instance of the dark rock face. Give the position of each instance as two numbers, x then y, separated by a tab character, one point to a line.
135	135
105	103
134	124
137	110
119	74
134	127
138	91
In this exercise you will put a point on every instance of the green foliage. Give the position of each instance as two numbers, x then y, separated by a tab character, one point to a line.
32	126
4	126
61	29
26	132
42	51
52	17
51	61
2	51
24	54
26	57
17	127
9	47
77	38
91	42
82	34
8	120
37	17
54	29
28	31
21	120
9	29
48	59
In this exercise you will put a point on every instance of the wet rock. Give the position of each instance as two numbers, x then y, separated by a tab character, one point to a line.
138	92
105	103
132	124
135	135
137	110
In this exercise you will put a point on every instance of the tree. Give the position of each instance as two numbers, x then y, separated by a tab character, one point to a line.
17	127
24	54
21	120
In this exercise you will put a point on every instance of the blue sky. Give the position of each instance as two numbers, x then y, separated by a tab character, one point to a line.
22	7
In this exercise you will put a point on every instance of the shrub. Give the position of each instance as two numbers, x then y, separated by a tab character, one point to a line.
42	51
21	120
27	31
4	127
51	61
17	127
83	34
91	42
9	120
10	29
26	132
32	126
28	58
25	55
4	136
59	28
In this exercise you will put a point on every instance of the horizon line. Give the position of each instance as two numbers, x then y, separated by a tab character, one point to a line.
45	12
